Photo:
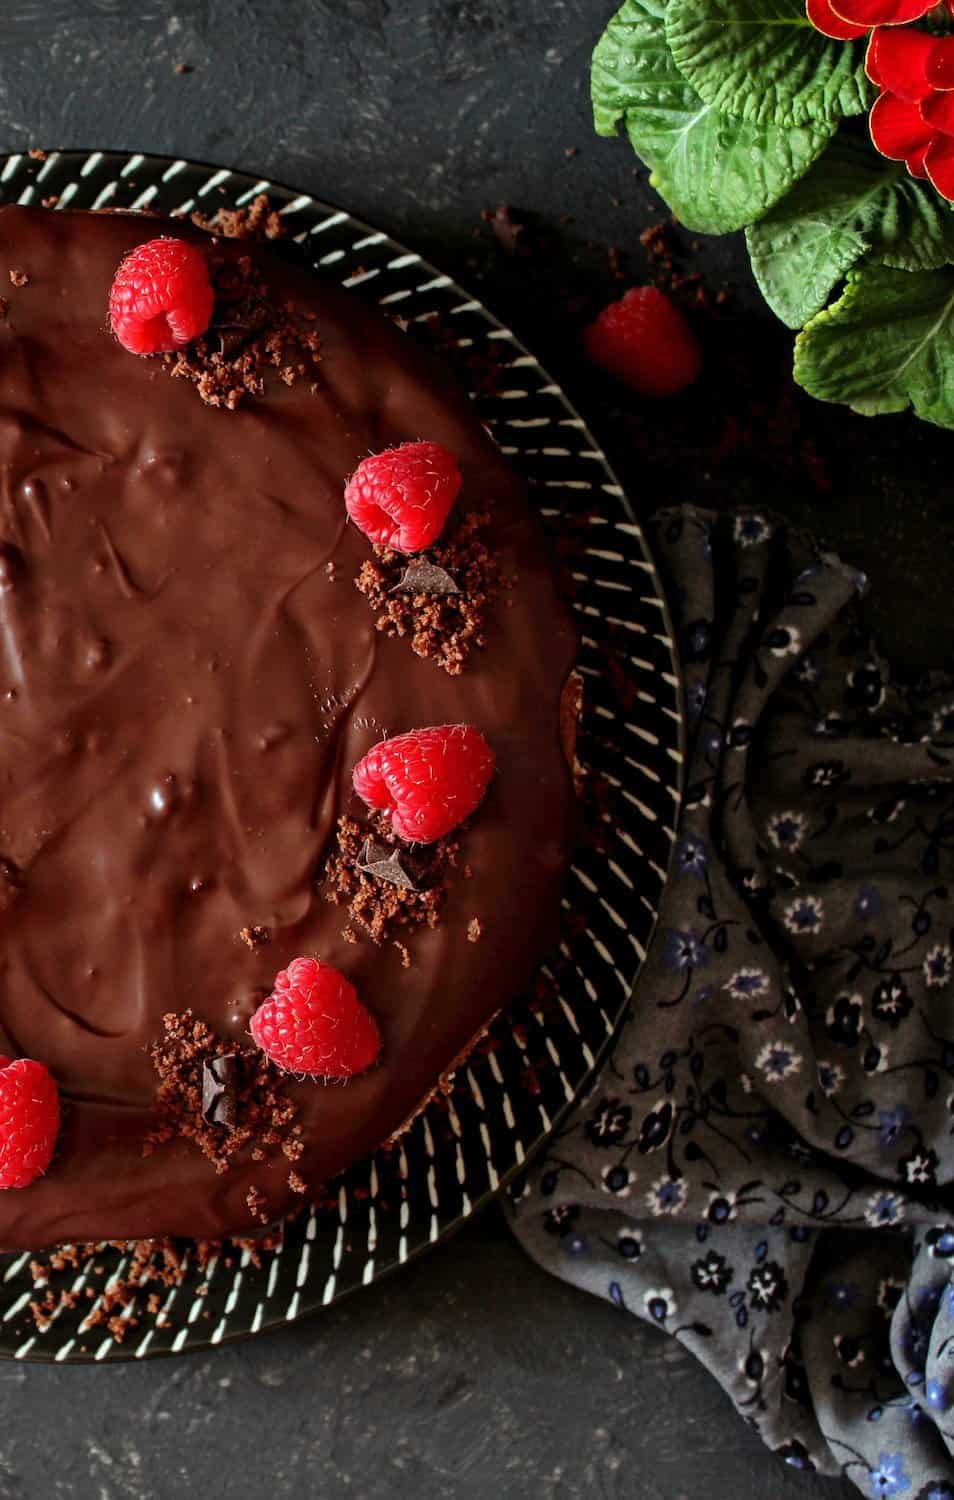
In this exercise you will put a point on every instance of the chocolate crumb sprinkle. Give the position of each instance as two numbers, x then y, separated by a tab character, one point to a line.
255	1199
18	277
264	1115
443	624
255	937
381	906
251	339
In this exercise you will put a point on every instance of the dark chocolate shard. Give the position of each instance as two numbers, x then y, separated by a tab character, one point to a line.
385	864
423	577
234	336
220	1090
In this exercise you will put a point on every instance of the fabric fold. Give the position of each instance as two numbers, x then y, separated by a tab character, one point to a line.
763	1166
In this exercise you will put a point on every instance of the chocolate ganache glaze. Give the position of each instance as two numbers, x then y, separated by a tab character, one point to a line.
185	687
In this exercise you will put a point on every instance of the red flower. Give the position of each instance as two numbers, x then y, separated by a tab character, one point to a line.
846	19
912	119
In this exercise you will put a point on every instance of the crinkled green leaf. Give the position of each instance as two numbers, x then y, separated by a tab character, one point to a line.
851	202
632	64
716	173
763	61
885	345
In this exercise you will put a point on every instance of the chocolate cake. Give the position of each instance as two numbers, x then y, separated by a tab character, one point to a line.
196	649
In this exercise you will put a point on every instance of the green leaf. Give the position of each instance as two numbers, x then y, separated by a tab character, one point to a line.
716	173
632	64
851	202
764	62
885	345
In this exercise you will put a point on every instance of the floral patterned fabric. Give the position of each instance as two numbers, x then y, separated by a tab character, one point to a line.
764	1166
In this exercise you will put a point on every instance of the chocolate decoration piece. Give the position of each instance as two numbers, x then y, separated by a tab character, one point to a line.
232	337
220	1090
189	779
385	864
423	577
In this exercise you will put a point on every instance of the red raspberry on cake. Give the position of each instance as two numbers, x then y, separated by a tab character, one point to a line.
29	1121
645	341
161	297
313	1022
402	497
428	780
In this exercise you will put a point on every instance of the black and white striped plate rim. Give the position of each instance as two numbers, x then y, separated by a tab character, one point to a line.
506	1100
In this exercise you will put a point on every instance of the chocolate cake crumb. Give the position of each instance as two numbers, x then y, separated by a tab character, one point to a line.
18	277
296	1183
255	937
50	201
404	952
510	231
255	1200
155	1267
256	221
36	153
660	243
443	627
379	906
263	1113
475	930
250	338
181	68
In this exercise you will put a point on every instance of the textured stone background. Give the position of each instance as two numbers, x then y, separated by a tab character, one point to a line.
471	1373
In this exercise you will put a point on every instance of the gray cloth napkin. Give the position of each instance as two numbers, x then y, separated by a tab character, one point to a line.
763	1167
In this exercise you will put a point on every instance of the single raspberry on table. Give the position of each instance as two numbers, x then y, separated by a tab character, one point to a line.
313	1022
645	341
161	297
428	780
402	497
29	1120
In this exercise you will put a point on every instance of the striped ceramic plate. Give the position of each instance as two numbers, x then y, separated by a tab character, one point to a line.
510	1096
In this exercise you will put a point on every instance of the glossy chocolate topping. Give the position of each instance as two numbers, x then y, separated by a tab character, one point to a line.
184	689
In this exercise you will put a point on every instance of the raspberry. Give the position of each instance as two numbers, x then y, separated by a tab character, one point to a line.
161	297
313	1022
645	341
402	497
29	1121
428	780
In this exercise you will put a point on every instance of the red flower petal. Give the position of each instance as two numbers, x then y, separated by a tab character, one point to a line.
897	127
938	111
897	61
939	163
915	162
939	69
882	12
823	18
